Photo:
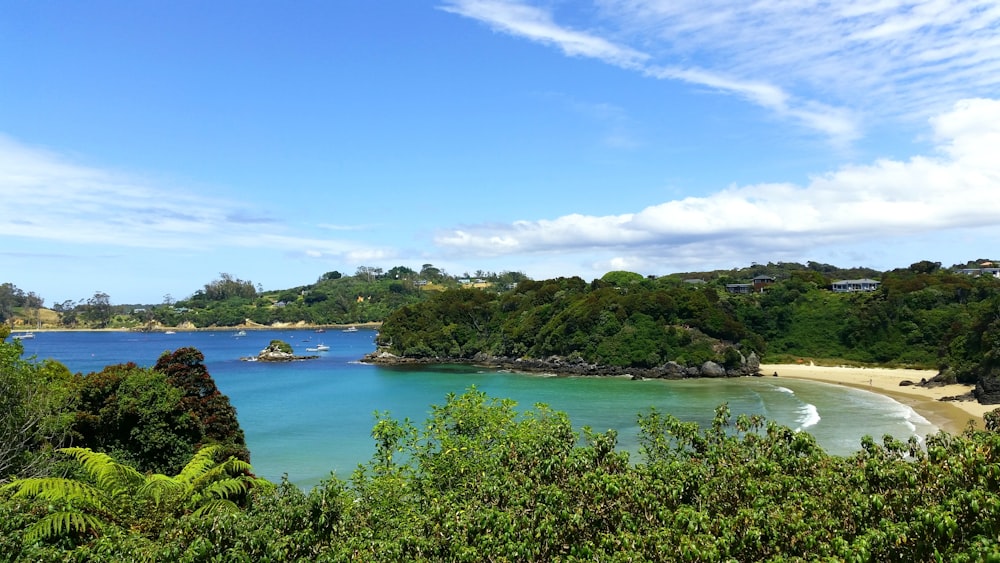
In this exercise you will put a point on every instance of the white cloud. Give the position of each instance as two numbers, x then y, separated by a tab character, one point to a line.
953	189
47	197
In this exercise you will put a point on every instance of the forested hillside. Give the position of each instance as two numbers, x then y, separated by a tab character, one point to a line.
921	316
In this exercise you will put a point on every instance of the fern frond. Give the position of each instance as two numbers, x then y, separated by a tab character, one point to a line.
158	485
108	473
202	462
59	523
57	488
217	506
226	488
234	466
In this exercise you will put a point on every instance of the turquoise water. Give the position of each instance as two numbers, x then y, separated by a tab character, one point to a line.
311	418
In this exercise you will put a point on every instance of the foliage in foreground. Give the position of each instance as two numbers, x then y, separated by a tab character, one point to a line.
36	409
114	495
483	482
156	418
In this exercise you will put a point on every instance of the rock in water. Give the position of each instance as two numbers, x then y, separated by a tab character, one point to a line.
277	351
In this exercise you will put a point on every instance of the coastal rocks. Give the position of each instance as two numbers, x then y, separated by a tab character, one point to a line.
574	365
712	369
277	351
987	389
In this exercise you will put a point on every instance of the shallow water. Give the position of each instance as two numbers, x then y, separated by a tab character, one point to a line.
311	418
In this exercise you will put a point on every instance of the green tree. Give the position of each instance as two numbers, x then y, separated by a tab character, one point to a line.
621	278
334	275
36	401
185	369
98	309
136	415
227	287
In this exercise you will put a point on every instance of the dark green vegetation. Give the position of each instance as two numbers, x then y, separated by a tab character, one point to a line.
642	324
153	419
921	316
481	481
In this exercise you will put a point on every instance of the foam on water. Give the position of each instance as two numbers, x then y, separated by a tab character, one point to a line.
808	416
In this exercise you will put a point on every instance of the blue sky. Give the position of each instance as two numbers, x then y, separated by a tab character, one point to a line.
147	147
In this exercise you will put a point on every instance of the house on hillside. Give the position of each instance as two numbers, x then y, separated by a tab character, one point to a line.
846	286
760	283
739	288
976	272
756	285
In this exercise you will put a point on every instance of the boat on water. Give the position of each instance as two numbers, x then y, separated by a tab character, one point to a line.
241	333
318	348
169	332
351	329
320	330
25	335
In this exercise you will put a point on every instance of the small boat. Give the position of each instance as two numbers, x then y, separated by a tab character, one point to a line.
169	332
318	348
351	329
241	333
320	330
25	335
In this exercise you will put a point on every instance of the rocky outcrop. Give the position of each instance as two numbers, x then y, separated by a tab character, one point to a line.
712	369
987	389
577	366
277	351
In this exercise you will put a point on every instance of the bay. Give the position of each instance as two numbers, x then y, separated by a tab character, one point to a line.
309	419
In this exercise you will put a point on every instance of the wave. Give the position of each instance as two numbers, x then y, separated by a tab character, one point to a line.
912	418
808	416
784	389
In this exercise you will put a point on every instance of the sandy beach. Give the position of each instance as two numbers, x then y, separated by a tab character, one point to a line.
951	416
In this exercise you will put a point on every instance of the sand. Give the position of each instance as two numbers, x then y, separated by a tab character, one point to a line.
951	416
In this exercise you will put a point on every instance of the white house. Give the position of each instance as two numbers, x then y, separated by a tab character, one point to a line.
864	284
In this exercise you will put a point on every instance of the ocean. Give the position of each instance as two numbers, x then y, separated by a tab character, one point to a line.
311	419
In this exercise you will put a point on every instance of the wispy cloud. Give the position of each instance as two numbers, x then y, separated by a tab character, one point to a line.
823	65
520	19
953	188
890	58
48	197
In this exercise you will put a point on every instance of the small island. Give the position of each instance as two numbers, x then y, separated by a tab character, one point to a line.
277	351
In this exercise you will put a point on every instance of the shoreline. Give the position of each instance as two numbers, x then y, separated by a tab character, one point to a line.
950	416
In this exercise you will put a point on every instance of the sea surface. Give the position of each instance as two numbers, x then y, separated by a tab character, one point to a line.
309	419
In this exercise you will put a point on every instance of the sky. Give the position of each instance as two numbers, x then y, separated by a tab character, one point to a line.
148	147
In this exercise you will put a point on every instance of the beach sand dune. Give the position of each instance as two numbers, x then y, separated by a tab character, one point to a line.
951	416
